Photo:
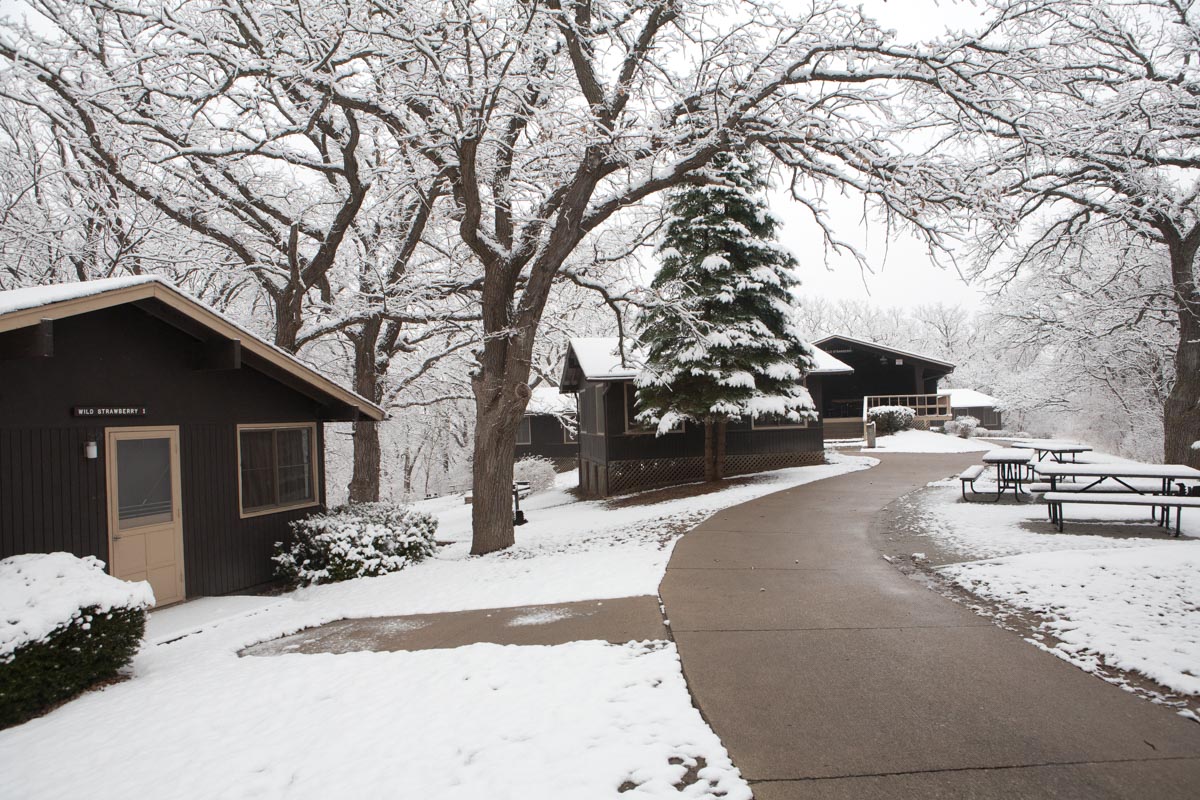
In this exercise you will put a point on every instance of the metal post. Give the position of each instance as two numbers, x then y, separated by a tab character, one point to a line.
518	514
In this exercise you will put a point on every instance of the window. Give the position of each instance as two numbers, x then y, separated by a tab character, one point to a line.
277	467
525	431
775	421
569	436
599	410
631	423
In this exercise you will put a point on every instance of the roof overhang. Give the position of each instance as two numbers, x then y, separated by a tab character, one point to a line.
195	318
946	366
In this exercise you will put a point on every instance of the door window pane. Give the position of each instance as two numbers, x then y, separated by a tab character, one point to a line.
143	482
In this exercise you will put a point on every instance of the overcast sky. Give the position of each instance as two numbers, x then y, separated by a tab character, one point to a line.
900	273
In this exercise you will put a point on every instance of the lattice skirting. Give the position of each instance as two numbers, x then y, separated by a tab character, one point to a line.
630	476
921	424
761	462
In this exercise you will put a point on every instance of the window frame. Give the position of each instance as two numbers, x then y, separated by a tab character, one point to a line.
260	511
526	423
566	432
626	401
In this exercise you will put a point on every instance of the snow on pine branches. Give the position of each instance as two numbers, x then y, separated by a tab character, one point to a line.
720	342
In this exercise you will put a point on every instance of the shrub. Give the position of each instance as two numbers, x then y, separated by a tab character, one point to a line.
358	540
891	419
962	427
65	626
538	471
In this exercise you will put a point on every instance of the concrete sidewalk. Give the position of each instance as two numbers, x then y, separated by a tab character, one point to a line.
829	674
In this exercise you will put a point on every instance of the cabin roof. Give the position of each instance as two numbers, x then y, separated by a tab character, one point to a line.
549	400
20	308
969	398
599	359
886	349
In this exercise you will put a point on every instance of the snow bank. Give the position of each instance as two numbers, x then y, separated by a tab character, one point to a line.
570	721
1137	609
41	592
926	442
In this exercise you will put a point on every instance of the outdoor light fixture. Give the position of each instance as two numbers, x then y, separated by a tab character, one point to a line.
90	451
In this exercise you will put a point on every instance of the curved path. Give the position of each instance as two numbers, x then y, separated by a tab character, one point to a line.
827	673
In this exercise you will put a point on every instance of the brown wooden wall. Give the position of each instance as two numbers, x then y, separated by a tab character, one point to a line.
53	498
546	439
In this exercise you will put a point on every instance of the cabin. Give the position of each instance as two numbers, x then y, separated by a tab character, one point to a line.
881	376
548	427
618	455
970	403
141	427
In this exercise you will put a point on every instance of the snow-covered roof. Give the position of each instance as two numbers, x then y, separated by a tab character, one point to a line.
886	347
549	400
27	306
600	359
37	296
969	398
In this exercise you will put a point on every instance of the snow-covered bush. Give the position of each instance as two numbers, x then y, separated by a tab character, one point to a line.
358	540
537	470
64	626
890	419
962	427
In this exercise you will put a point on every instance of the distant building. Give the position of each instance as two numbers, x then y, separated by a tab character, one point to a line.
881	376
139	426
549	426
970	403
618	455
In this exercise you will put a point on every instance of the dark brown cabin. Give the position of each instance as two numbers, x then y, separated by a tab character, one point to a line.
548	428
882	376
616	455
141	427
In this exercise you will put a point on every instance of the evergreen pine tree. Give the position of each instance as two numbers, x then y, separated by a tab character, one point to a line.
722	344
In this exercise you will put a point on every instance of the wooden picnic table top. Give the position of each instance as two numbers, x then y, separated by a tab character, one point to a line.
1052	446
1007	455
1164	471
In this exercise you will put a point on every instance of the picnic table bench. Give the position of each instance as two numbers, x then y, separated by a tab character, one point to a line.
1165	502
1057	449
1011	468
1135	485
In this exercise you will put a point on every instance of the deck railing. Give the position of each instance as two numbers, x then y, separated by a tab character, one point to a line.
927	406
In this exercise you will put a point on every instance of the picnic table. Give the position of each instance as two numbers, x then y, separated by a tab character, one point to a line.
1055	448
1138	479
1011	465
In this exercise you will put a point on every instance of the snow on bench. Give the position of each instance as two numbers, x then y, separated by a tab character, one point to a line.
1165	501
970	475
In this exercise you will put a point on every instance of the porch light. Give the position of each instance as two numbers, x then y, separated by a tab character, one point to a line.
90	451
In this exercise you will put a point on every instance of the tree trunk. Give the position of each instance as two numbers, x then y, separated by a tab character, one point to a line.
364	481
491	480
710	466
719	462
1181	414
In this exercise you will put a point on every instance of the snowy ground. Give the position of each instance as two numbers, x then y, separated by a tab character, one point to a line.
572	721
927	442
1113	592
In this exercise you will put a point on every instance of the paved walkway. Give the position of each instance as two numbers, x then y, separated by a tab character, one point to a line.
619	620
829	674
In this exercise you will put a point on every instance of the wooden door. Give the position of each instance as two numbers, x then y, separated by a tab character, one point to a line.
145	525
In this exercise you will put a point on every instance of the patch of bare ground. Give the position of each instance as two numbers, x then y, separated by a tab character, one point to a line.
899	534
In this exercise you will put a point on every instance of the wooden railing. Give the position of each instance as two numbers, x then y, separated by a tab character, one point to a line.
927	406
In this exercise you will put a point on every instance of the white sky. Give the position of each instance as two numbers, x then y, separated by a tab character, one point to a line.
900	271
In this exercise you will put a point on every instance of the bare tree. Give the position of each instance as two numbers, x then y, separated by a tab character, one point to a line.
1080	117
549	117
